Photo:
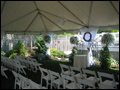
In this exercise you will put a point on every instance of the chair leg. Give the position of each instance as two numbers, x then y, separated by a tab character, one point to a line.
15	84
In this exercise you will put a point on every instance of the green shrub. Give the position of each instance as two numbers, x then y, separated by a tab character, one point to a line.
11	56
2	53
61	54
114	63
96	61
53	52
41	46
74	52
105	57
19	48
8	53
57	54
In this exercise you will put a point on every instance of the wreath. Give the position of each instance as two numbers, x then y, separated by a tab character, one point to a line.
89	38
47	39
74	40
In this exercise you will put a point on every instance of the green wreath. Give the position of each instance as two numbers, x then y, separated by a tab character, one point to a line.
47	39
89	38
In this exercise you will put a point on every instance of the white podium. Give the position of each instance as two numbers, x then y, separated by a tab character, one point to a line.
80	61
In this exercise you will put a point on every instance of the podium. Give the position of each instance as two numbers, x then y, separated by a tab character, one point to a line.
80	61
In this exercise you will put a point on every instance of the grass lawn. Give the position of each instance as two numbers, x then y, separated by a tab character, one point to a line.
51	65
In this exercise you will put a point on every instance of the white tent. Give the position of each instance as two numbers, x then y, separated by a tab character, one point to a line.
34	17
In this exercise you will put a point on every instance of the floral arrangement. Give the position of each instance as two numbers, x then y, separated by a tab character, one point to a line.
74	40
107	39
89	38
47	39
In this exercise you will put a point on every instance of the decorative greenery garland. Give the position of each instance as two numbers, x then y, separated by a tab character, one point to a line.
47	39
107	39
89	38
74	40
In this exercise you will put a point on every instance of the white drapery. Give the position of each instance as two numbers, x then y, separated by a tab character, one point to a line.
47	44
93	32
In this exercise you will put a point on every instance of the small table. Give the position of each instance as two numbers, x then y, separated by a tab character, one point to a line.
80	61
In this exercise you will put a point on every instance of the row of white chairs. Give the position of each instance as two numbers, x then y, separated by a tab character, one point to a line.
53	78
13	64
30	63
25	83
83	74
3	69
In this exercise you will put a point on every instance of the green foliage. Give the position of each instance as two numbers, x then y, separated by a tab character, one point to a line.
47	57
2	53
9	53
68	34
105	58
112	31
96	61
19	48
107	39
114	63
55	53
41	46
11	56
74	52
61	54
47	39
74	40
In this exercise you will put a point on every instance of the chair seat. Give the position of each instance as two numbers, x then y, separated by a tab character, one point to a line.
3	68
70	86
109	83
66	72
92	78
78	75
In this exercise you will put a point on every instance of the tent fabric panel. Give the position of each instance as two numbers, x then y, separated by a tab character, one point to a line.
37	24
103	16
20	24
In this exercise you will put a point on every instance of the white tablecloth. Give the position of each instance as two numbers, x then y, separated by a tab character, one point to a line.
80	61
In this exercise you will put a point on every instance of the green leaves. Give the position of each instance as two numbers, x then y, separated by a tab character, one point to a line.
41	46
105	58
47	39
74	40
107	39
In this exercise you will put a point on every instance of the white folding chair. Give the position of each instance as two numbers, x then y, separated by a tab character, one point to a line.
24	82
17	80
34	85
34	65
109	82
90	76
3	69
76	72
45	75
65	69
85	83
19	67
69	82
55	79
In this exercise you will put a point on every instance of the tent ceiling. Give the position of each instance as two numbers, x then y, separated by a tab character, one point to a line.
38	16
